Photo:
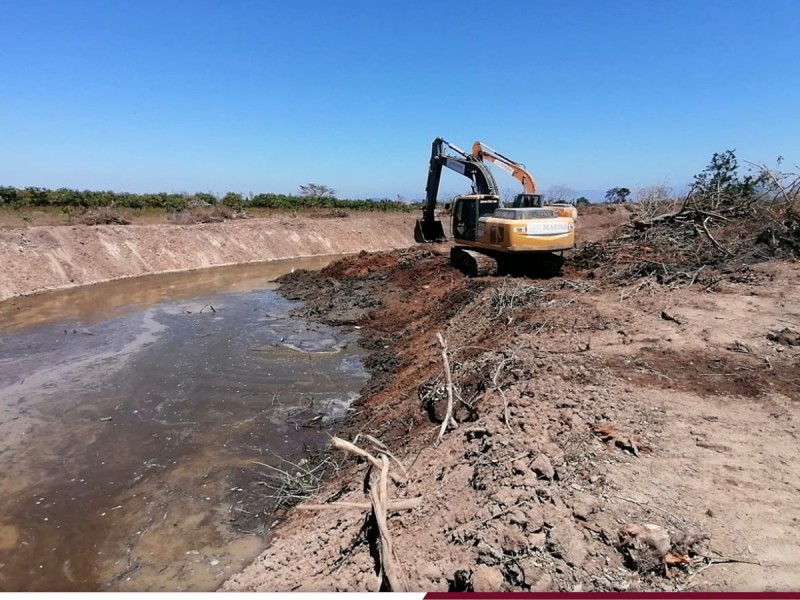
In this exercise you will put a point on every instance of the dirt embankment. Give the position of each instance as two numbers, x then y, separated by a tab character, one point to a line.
610	437
45	258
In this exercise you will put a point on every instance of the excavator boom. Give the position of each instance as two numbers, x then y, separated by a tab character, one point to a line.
516	170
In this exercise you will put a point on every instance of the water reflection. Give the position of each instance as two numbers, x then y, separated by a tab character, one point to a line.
126	427
91	303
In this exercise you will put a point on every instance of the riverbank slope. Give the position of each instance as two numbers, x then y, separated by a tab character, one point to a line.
55	257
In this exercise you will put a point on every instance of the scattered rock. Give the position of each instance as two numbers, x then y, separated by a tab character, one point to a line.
518	517
567	542
537	540
520	467
583	505
543	584
784	337
487	579
543	467
507	496
535	519
430	572
534	577
514	542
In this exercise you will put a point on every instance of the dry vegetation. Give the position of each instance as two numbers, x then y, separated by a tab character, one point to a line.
104	215
716	231
205	214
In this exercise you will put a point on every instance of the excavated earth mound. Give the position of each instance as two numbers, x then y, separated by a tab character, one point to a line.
608	437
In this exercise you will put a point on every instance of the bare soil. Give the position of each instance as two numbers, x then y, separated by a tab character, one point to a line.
619	435
610	437
51	257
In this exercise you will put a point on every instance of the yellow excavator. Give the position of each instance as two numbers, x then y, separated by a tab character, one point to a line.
490	238
529	197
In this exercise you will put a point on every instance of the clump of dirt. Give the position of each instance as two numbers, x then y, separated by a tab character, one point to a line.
331	214
785	337
330	300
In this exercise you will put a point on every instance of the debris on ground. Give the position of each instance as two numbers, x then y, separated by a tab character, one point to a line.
104	215
785	337
725	223
530	414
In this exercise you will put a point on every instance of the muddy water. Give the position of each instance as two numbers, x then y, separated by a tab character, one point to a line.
131	418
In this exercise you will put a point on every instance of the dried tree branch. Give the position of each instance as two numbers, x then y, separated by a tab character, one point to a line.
448	418
502	393
379	496
341	444
409	504
713	241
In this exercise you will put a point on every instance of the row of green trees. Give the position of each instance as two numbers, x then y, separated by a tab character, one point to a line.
289	202
69	198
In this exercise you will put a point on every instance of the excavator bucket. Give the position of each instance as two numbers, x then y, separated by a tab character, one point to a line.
429	231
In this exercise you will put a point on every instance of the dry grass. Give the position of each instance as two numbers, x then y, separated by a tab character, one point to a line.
296	482
516	293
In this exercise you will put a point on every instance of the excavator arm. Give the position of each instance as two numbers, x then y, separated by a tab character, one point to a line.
429	229
529	197
516	170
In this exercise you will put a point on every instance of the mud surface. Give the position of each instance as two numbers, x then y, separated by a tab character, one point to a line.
91	303
138	417
609	437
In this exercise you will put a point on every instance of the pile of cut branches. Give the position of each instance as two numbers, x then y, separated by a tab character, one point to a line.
724	223
104	215
197	213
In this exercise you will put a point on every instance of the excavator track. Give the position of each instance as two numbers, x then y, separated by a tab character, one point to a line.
472	263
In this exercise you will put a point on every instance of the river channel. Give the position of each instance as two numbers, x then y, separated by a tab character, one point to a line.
136	417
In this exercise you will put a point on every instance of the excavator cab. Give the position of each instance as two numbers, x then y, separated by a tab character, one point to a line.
528	201
466	213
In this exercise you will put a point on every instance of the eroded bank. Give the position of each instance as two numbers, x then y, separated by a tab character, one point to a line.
46	258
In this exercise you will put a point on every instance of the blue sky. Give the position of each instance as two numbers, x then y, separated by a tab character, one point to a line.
259	95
